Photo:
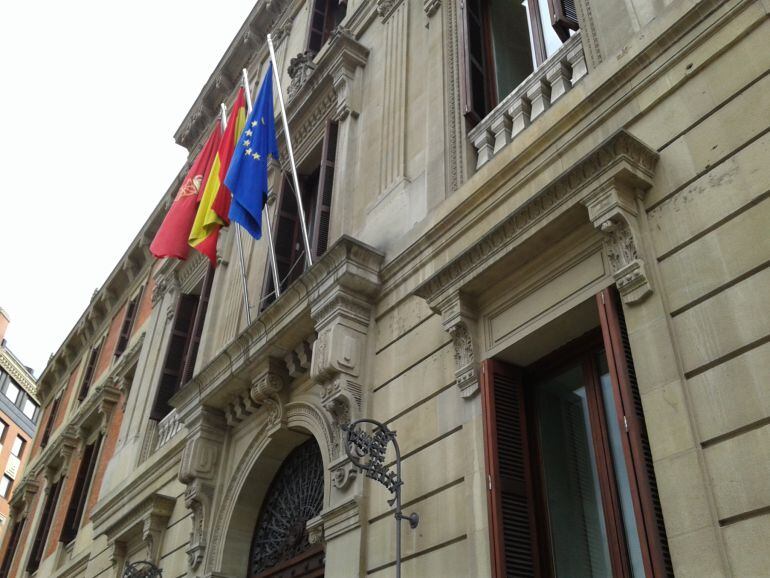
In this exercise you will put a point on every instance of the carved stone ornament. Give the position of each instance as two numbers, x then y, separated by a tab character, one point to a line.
301	68
431	7
459	320
613	210
343	473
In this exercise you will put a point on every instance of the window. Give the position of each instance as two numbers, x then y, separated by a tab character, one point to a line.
80	492
183	345
38	544
572	487
29	408
128	324
5	486
3	430
18	447
325	17
49	422
88	376
10	550
503	42
317	182
11	391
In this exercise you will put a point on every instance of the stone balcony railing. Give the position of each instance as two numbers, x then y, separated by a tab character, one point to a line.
529	100
168	428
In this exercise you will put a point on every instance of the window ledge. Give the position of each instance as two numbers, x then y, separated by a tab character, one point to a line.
529	100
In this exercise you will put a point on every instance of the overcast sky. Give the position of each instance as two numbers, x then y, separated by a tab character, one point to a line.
91	94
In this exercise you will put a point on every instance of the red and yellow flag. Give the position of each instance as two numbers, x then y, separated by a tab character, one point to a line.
171	240
214	204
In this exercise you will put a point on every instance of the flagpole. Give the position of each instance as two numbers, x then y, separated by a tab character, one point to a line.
303	226
266	217
238	240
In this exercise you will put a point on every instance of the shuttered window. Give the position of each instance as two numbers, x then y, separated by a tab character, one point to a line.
10	550
80	492
197	330
44	526
88	375
176	354
49	422
325	16
563	17
128	324
571	484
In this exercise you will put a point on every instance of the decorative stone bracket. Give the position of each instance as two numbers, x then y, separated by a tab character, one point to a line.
150	519
198	469
268	390
613	210
96	410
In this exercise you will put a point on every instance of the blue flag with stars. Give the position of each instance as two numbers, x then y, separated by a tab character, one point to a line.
247	176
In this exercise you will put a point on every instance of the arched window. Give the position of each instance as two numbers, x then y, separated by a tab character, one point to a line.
280	545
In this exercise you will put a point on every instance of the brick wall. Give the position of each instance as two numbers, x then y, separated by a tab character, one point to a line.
26	532
145	306
61	508
108	347
108	449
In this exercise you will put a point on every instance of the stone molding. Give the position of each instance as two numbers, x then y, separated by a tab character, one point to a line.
622	160
95	411
23	495
430	7
19	373
149	520
343	518
385	8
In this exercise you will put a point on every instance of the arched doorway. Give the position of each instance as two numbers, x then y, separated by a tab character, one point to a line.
280	546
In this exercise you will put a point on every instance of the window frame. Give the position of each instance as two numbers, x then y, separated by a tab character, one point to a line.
8	488
127	326
90	370
22	445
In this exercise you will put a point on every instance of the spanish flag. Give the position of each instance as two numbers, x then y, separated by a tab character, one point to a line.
171	238
214	204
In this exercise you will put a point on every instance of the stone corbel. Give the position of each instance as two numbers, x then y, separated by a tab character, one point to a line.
116	550
386	7
23	495
431	7
459	320
298	359
268	390
153	526
346	55
613	210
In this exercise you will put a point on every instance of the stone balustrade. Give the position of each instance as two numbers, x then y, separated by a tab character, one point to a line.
529	100
167	428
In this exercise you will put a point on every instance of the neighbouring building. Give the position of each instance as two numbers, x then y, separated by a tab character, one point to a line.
19	414
540	234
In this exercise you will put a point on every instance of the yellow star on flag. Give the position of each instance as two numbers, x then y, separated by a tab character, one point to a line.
246	143
256	156
248	132
253	123
248	152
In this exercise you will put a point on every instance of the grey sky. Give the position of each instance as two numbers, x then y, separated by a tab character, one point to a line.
91	94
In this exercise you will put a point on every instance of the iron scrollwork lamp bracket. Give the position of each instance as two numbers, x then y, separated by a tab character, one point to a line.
142	570
367	453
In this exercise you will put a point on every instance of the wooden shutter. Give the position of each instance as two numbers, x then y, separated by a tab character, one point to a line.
563	17
317	32
509	482
88	376
38	545
80	492
197	330
49	422
323	201
10	550
472	45
173	366
649	516
128	324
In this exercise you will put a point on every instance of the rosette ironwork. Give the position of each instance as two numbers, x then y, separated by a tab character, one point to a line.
367	451
142	569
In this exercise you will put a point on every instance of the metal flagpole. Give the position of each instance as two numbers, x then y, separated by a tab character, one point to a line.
266	217
238	241
303	226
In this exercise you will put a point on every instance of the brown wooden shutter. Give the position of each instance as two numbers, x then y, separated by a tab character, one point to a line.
128	324
80	492
474	80
563	17
509	483
38	545
317	31
323	201
197	331
173	366
649	516
50	421
10	550
88	376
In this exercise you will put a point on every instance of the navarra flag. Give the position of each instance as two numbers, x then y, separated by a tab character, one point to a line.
247	177
214	204
171	238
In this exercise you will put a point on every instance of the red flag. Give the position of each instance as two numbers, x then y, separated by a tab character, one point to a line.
171	238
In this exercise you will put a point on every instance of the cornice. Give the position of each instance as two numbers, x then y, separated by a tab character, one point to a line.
622	156
18	372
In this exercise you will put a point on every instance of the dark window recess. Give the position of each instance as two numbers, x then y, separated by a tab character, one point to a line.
49	422
502	43
197	330
128	324
176	354
326	15
317	186
80	492
38	545
10	550
88	376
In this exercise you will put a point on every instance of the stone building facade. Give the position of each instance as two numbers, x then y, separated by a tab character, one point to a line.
540	257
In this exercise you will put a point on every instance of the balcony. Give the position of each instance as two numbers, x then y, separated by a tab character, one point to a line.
529	101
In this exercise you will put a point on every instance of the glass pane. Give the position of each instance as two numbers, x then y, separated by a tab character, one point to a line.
12	392
578	534
18	443
5	483
510	44
29	408
619	466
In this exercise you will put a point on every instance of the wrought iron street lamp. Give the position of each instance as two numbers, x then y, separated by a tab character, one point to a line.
142	570
367	452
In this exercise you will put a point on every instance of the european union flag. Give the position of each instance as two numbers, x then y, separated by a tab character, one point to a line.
247	176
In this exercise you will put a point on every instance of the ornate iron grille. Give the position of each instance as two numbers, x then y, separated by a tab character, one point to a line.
142	570
294	497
